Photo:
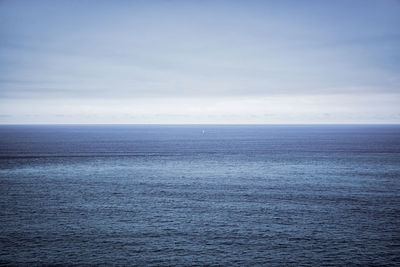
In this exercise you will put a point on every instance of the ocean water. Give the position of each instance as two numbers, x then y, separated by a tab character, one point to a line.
226	195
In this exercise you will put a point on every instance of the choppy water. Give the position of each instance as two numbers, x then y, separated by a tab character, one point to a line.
173	195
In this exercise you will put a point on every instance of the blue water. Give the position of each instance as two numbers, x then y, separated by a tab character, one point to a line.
175	195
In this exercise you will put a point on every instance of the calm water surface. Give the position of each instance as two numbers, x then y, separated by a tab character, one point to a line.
200	195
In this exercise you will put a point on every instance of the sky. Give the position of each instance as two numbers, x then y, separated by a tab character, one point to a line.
272	62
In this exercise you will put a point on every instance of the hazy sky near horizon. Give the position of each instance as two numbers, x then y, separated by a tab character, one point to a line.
200	61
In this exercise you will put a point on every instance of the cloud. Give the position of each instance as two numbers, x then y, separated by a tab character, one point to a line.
62	51
336	108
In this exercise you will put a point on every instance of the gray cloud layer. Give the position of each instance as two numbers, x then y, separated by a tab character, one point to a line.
59	50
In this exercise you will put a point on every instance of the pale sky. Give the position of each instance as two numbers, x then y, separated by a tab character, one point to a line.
188	61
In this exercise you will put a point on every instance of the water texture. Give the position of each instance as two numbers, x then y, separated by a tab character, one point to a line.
226	195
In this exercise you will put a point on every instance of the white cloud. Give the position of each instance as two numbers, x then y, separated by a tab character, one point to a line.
372	108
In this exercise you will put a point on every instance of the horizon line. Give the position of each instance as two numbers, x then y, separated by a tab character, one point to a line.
183	124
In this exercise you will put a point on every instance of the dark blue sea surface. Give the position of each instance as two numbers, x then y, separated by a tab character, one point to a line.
200	195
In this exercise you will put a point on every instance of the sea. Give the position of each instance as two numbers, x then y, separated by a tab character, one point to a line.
200	195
